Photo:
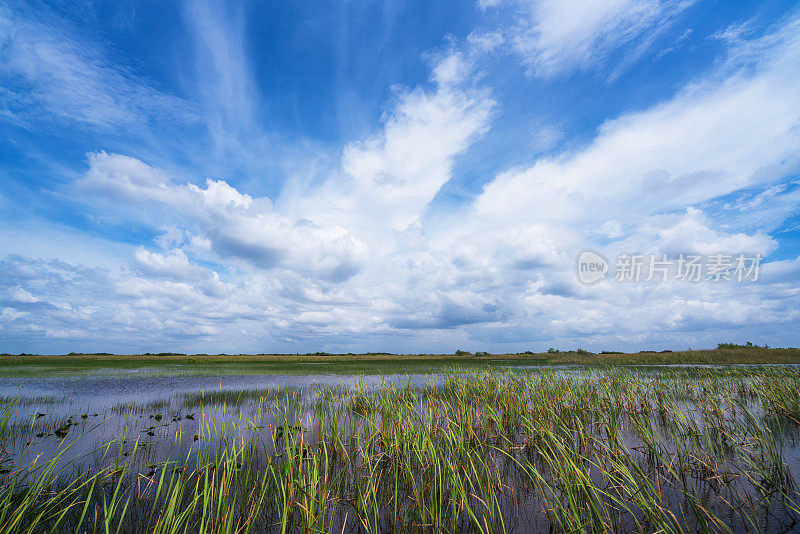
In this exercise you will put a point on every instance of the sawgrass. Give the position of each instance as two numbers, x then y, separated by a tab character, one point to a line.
355	364
604	451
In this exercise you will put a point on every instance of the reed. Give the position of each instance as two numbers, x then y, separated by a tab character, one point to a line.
610	450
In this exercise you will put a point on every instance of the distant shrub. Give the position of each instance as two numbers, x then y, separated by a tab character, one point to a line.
463	352
611	352
482	353
582	352
551	350
528	352
735	346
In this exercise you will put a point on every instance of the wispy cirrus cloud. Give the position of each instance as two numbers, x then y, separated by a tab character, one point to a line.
735	129
222	74
48	73
560	36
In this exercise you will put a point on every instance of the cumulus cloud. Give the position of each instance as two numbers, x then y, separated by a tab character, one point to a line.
353	261
102	307
176	266
18	294
691	233
234	226
391	177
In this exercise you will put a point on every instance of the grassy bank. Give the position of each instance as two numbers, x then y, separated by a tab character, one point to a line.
35	365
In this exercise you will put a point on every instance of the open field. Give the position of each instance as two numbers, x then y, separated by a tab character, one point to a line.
566	449
169	363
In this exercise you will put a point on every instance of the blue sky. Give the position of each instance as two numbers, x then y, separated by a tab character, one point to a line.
402	176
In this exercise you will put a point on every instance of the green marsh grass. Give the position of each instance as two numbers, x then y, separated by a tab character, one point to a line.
606	450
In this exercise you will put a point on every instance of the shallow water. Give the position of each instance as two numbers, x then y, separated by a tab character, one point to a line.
151	419
126	399
141	387
126	405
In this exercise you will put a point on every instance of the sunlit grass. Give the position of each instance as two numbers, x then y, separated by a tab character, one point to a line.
606	450
152	365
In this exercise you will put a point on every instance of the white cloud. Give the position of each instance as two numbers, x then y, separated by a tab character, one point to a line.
391	177
223	77
355	262
766	209
18	294
452	69
488	3
691	233
398	172
557	36
734	130
128	179
174	265
486	41
52	72
235	225
12	315
609	229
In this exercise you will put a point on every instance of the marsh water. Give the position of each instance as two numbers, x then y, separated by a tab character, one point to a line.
150	418
155	411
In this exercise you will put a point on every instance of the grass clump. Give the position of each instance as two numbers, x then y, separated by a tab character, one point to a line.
672	450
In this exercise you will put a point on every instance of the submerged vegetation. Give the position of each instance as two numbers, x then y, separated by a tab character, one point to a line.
672	450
